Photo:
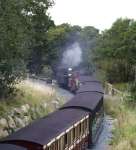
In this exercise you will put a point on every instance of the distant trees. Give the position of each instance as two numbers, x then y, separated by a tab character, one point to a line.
116	51
88	40
57	38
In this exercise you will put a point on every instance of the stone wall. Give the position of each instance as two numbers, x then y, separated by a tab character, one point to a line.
24	115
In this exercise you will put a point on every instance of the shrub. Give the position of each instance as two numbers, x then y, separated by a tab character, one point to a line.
47	71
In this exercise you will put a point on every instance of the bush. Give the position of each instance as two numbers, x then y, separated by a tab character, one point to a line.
119	71
132	90
47	71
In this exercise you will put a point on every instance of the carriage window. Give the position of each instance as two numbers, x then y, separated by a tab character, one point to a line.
62	143
85	124
83	127
74	133
66	139
69	137
88	124
56	145
80	129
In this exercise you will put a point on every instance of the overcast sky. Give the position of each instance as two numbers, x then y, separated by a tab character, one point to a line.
98	13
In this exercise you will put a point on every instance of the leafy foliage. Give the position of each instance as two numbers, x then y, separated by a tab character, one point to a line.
40	22
117	46
57	38
13	45
23	25
88	39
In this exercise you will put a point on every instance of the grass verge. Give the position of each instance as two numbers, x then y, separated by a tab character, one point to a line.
121	86
124	134
28	93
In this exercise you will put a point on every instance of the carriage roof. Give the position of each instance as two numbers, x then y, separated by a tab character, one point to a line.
10	147
85	101
91	87
86	78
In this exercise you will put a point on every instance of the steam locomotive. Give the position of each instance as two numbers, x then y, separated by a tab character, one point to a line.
68	78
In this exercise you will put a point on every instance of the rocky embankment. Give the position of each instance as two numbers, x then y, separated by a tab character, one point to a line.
20	117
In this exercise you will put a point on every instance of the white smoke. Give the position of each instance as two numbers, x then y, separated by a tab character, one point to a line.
72	57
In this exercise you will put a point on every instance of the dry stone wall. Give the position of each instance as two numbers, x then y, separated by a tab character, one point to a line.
24	115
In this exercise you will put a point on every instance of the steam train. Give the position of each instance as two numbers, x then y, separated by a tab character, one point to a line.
74	126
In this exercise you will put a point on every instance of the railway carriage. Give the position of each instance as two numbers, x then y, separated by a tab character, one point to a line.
93	104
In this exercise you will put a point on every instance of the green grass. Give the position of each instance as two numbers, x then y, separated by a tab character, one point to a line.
124	134
26	94
121	86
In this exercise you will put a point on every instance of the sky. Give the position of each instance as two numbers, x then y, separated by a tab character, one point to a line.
98	13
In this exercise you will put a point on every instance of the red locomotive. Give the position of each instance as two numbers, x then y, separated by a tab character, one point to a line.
68	78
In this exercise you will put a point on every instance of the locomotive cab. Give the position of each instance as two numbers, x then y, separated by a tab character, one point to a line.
68	78
73	82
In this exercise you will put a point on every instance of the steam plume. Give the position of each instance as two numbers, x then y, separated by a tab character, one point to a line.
72	57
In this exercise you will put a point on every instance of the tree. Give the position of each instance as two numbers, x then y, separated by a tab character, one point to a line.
117	46
13	45
88	40
58	37
23	29
40	22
